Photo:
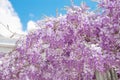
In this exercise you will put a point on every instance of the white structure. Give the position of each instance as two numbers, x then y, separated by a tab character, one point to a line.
7	44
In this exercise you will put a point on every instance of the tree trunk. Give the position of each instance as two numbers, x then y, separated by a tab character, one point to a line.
109	75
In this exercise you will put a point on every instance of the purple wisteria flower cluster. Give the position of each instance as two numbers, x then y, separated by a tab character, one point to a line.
68	47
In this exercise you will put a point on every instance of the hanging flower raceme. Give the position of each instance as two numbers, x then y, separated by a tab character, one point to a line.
69	47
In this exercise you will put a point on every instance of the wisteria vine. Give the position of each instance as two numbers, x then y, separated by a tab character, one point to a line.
68	47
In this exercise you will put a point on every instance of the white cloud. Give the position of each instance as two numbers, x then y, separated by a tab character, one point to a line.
9	17
31	25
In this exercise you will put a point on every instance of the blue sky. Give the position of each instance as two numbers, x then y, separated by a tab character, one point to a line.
36	9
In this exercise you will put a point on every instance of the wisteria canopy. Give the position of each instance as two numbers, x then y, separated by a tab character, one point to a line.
68	47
